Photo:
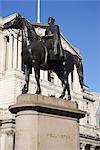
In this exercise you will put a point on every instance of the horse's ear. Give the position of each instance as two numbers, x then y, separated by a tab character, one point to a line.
18	15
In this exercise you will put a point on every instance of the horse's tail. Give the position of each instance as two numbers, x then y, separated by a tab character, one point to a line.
78	62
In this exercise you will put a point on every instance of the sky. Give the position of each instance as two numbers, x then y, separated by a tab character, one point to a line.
79	21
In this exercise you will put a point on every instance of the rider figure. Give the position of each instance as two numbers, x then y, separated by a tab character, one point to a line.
52	36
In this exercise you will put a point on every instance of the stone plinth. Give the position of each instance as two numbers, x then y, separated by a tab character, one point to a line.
44	123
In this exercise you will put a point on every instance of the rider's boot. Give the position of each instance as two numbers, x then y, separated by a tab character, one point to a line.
46	55
55	48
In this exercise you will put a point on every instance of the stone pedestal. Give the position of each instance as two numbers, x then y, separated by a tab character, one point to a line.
44	123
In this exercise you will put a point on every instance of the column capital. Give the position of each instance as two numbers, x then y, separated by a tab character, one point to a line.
10	132
7	131
82	146
92	147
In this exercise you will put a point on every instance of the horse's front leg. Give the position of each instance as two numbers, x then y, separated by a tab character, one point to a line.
37	77
26	85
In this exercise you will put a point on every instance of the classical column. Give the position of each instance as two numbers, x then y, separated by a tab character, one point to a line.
1	51
83	146
69	80
15	55
3	58
3	140
19	52
41	74
74	80
10	139
92	147
56	80
76	84
46	75
10	54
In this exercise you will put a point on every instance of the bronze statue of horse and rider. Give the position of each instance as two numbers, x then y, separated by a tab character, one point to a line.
45	53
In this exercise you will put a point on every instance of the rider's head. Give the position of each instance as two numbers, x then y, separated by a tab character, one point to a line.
51	20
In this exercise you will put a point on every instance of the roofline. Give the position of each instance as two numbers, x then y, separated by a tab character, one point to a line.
11	15
70	45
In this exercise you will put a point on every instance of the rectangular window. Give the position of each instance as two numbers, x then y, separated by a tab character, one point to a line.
88	118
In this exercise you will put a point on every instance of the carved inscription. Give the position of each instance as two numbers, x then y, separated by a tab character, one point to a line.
19	132
58	136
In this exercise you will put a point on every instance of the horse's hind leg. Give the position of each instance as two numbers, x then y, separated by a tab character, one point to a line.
66	86
65	83
68	90
37	77
26	85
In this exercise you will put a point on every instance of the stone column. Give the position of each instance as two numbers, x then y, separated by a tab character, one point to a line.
92	147
3	141
83	146
74	80
1	52
46	75
10	55
10	139
3	56
76	84
46	123
19	52
7	131
41	74
15	55
70	81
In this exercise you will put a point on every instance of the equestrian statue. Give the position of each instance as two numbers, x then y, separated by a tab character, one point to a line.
45	53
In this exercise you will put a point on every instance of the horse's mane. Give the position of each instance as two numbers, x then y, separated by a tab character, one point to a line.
30	28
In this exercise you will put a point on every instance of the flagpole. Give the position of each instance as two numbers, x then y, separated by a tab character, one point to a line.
38	11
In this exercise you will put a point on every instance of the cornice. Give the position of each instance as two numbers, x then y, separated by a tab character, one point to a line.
97	138
88	96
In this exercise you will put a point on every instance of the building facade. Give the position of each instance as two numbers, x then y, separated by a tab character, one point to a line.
12	80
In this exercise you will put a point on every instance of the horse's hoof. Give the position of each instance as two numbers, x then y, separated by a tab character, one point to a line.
61	97
69	97
52	95
38	92
24	91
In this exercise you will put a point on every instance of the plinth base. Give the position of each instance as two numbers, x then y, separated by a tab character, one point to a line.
44	123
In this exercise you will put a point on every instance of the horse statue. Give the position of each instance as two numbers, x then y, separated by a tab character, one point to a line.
33	55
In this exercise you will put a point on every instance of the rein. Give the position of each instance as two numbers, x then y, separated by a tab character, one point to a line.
27	24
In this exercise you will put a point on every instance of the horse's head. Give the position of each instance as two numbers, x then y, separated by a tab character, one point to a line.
15	23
